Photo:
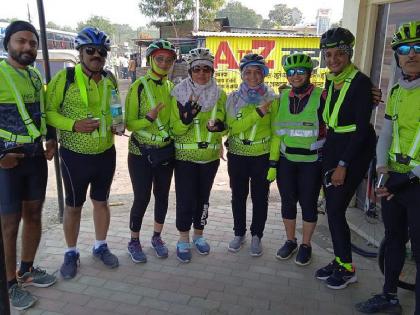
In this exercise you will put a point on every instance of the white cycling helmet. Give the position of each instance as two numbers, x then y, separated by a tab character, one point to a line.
200	56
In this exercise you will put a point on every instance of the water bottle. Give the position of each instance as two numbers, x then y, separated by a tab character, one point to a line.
116	113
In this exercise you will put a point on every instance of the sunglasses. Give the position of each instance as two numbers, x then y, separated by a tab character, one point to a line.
298	71
162	59
405	49
101	51
205	69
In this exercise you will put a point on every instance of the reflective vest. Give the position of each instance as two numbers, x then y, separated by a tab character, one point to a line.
200	144
410	155
33	131
84	96
332	119
299	132
163	134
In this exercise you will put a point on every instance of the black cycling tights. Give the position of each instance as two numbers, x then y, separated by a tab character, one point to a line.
143	175
400	214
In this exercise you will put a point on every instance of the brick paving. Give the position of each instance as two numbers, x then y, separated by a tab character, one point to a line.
220	283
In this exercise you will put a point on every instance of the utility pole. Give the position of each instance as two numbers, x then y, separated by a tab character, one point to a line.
4	295
29	13
196	22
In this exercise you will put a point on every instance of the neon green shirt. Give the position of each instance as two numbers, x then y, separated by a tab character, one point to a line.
136	110
244	124
185	134
63	114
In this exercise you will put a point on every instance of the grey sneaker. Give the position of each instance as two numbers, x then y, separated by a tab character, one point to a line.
37	277
20	298
236	244
256	246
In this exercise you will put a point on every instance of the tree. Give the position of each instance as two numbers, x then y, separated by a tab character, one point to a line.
175	10
123	33
267	24
209	8
55	26
240	16
97	21
283	15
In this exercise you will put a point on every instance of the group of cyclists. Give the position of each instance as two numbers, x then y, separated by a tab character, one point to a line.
304	138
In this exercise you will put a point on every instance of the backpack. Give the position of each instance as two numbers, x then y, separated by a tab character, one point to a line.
70	79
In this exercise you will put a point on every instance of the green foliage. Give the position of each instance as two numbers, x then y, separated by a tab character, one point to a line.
97	21
175	10
283	15
240	16
55	26
9	20
267	24
168	10
209	8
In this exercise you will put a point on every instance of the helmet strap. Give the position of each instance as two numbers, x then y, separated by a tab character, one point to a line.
88	71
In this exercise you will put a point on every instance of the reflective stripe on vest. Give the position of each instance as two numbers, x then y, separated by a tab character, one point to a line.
251	136
27	120
164	135
84	95
194	146
300	131
396	155
199	143
332	120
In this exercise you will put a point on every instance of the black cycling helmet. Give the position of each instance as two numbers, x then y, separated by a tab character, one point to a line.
253	60
335	37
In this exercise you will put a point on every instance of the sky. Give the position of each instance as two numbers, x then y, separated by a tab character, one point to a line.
127	11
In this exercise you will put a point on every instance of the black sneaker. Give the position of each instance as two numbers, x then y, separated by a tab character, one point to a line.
341	278
287	250
380	303
304	255
327	271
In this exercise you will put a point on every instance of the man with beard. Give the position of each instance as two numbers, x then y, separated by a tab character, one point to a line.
79	107
23	166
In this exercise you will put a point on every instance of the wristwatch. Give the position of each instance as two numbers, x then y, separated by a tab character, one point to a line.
342	163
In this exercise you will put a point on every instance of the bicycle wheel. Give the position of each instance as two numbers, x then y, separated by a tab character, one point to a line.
407	278
367	231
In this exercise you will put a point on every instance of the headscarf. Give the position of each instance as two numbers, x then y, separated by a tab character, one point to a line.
207	94
246	95
339	78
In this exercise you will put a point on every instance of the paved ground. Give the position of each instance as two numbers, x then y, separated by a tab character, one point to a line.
220	283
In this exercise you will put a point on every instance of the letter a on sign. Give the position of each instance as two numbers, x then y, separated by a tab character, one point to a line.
225	56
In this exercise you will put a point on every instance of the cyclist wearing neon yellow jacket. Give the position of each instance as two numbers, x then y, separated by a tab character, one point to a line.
398	155
248	120
23	162
79	107
151	150
298	134
198	125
